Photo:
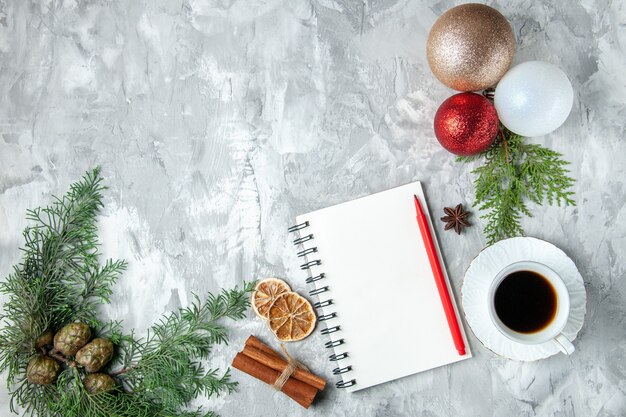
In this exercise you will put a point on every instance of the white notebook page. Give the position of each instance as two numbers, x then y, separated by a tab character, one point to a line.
383	290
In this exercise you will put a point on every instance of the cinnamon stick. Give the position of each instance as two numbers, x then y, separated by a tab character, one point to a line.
272	360
256	343
300	392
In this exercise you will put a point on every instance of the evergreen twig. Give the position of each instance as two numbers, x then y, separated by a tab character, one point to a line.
60	280
513	173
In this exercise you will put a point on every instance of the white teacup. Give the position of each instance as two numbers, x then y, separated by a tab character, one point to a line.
552	331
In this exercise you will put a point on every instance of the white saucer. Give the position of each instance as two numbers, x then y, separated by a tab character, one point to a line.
483	270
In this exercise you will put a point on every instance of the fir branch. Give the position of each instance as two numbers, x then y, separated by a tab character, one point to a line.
163	367
513	173
60	280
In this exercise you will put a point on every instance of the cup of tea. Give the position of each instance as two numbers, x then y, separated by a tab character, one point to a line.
529	303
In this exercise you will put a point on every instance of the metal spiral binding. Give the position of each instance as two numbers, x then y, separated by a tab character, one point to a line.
307	252
345	384
318	291
304	253
325	317
333	343
339	371
330	330
310	264
311	280
324	303
302	239
297	227
337	357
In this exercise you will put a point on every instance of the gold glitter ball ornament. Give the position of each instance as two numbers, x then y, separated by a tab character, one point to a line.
470	47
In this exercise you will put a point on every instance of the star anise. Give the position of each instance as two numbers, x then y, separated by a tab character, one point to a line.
456	218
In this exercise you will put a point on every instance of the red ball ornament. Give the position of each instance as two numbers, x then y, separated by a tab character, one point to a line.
466	124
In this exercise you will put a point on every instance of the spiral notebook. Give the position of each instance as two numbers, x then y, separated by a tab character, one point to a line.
377	298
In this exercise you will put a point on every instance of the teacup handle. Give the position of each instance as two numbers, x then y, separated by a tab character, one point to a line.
564	344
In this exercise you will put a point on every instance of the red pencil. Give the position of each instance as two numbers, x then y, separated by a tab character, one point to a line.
439	279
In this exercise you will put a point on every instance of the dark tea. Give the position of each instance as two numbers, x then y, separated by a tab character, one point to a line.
525	302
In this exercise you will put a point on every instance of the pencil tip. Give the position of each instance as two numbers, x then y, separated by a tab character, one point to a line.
418	206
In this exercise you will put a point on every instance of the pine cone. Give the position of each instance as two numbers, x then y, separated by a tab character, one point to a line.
42	370
96	383
95	355
71	338
44	340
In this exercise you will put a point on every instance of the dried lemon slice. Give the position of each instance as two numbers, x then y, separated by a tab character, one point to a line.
265	293
291	317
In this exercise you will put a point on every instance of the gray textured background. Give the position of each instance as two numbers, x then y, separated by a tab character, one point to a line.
216	122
